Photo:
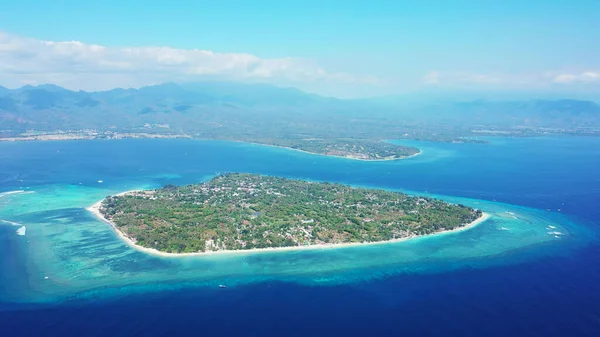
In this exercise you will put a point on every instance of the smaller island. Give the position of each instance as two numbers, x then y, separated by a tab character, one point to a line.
360	149
239	212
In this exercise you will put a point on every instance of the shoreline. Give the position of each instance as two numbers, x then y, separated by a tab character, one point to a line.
95	210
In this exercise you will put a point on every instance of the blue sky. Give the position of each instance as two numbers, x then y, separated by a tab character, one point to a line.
342	48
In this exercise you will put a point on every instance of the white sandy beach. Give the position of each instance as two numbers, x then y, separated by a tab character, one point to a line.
95	209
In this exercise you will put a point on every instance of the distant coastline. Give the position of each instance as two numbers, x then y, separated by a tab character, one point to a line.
95	210
89	136
83	136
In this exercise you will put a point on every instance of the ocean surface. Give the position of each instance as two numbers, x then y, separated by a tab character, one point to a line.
532	269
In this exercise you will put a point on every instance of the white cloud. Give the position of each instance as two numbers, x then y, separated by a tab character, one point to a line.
462	78
485	79
432	77
564	78
584	77
511	80
78	65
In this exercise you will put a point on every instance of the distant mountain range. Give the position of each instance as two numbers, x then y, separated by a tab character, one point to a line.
257	111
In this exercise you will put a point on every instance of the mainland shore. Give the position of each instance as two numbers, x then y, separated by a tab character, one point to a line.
95	209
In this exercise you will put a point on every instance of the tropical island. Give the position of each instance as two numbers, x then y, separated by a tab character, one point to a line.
362	149
237	211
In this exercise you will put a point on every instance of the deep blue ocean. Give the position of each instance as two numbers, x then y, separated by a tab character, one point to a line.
554	295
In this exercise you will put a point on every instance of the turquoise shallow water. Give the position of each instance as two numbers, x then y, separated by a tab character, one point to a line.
68	253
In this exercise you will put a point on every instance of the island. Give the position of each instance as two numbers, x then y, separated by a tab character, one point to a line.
240	211
361	149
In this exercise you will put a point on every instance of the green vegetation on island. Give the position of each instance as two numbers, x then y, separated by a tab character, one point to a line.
244	211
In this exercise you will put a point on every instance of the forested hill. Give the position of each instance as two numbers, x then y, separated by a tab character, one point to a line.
258	112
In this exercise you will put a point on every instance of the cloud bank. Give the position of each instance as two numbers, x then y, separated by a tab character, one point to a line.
584	77
500	80
77	65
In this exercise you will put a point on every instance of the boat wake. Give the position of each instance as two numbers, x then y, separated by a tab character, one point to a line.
12	223
11	192
22	228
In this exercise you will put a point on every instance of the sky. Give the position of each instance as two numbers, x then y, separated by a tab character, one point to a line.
344	48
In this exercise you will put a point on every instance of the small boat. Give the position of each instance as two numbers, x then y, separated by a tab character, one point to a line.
222	286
